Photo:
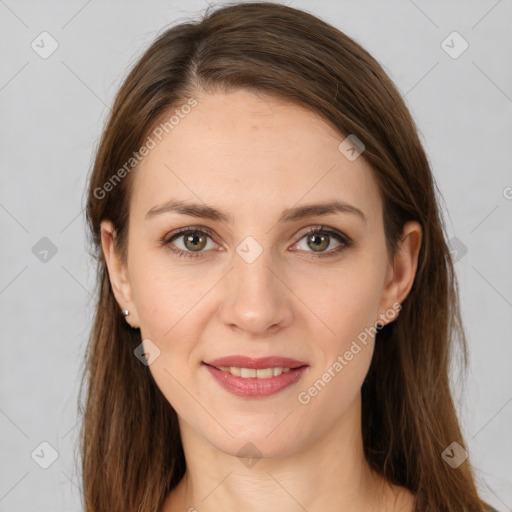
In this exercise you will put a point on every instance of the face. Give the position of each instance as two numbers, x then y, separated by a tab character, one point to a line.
242	273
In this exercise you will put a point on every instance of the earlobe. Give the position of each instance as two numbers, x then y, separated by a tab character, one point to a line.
405	264
117	272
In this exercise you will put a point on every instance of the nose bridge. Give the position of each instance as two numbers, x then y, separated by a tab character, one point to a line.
257	300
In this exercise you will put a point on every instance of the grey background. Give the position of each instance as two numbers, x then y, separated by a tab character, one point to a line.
52	112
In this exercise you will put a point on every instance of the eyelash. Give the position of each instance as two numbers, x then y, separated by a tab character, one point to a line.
343	239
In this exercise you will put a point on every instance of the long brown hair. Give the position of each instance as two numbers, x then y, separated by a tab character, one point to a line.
130	444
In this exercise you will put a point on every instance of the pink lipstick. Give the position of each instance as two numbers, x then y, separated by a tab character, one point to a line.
253	378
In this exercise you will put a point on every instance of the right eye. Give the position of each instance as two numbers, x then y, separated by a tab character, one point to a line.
192	240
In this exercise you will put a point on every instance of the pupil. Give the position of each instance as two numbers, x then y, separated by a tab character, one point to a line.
321	243
194	241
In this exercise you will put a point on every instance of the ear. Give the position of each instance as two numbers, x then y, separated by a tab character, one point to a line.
118	273
401	273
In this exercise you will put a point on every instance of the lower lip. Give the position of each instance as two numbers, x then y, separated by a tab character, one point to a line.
254	387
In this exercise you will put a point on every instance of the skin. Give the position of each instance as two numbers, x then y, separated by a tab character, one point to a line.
253	156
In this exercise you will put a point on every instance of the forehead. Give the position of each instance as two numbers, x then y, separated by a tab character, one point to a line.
251	154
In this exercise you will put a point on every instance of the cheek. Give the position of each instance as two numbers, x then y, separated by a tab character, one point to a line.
349	306
164	294
348	301
169	313
347	352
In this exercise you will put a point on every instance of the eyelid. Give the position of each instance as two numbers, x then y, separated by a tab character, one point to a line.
323	229
170	236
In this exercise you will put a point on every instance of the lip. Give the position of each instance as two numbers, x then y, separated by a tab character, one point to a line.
253	387
257	363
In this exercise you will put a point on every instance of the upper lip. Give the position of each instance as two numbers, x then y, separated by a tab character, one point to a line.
258	363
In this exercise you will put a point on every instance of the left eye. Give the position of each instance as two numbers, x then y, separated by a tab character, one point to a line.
320	239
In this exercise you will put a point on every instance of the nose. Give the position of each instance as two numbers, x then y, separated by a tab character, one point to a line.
256	298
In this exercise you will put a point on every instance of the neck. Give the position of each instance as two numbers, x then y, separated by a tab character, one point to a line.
332	469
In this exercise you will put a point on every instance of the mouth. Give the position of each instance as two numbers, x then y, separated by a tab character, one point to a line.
251	378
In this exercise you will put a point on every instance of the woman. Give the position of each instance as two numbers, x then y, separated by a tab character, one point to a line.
277	300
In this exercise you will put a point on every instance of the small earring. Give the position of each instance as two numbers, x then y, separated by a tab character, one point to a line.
125	312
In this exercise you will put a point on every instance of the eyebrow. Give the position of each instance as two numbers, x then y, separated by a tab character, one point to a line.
288	215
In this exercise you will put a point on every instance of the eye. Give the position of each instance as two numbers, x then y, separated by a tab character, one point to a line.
320	239
190	242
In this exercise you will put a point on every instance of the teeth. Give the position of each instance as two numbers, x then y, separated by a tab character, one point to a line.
246	373
260	373
233	370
